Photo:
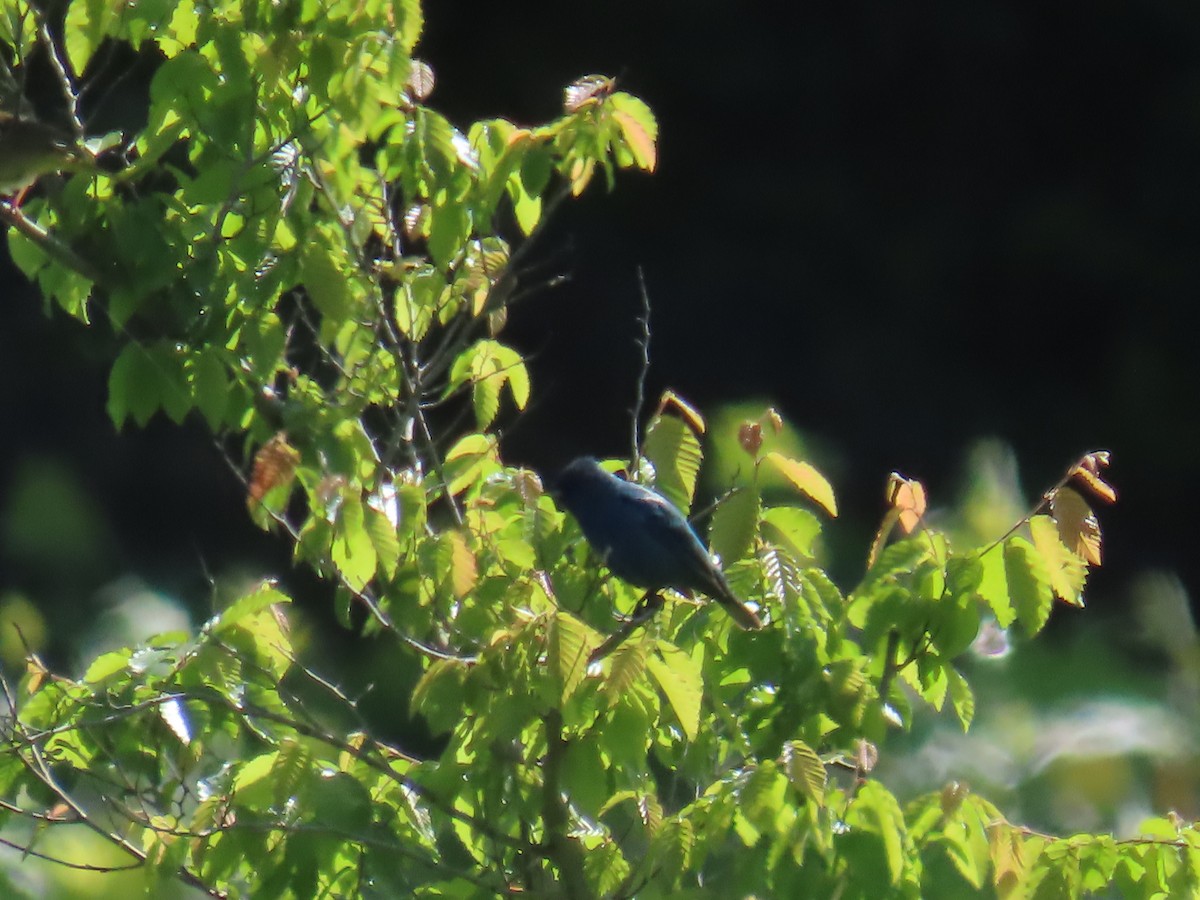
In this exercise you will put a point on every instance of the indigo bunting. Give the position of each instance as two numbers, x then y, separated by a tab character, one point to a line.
643	538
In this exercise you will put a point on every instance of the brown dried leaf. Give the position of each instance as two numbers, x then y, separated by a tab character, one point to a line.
672	402
1087	470
274	466
907	497
420	80
1077	525
750	437
582	90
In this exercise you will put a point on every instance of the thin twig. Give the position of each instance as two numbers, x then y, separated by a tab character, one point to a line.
650	604
643	343
48	243
60	69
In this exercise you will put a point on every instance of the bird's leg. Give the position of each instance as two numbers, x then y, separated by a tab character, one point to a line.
650	603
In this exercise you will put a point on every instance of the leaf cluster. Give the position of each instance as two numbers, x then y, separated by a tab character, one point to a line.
301	251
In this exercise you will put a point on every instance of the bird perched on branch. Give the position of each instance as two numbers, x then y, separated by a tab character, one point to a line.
643	538
30	149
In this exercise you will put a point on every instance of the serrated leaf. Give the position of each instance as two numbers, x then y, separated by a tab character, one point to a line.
274	470
674	450
793	530
107	665
438	693
464	572
1028	584
327	283
638	127
679	676
210	387
993	586
382	533
626	665
805	479
465	460
962	698
1077	524
1067	571
352	551
265	596
805	770
571	645
733	525
449	228
134	388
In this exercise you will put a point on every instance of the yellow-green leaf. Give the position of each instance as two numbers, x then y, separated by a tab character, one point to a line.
734	524
1028	583
674	450
679	677
805	770
1067	570
571	644
806	479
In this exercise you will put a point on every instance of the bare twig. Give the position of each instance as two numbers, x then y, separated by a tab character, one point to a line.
60	69
643	344
650	604
48	243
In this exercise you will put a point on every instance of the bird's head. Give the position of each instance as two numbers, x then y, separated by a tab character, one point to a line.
578	478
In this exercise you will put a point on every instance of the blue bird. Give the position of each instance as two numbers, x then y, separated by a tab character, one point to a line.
643	538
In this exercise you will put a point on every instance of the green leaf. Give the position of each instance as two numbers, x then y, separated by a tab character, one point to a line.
626	665
449	228
466	460
134	386
793	530
210	387
734	524
352	551
875	811
106	665
679	676
993	586
1028	584
326	281
806	479
382	534
805	770
962	698
438	694
1067	570
265	596
571	644
674	450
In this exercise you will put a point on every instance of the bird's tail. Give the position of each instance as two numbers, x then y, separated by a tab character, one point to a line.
743	615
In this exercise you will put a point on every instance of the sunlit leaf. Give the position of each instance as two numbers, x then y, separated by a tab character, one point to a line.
805	770
734	524
463	567
571	643
679	677
626	665
806	479
1066	570
962	698
672	446
1077	525
1028	584
1088	469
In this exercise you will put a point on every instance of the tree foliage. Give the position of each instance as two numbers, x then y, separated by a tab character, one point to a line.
296	248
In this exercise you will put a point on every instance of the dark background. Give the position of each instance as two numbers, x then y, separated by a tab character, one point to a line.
908	228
